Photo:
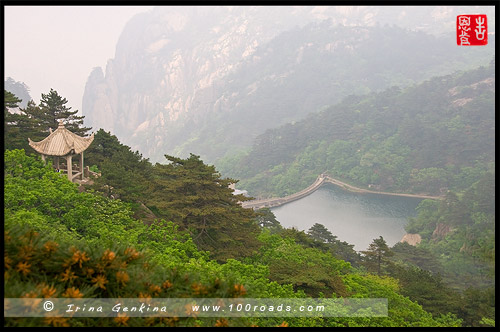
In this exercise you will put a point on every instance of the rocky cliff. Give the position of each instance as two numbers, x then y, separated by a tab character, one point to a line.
208	80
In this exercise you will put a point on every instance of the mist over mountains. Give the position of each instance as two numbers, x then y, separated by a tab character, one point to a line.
209	80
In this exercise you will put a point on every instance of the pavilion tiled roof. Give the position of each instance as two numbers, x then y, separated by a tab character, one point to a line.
61	141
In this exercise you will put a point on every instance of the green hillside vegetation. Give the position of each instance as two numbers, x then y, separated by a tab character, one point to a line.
434	138
176	230
460	232
65	243
428	138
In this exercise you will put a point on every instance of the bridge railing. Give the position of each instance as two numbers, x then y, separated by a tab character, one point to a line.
272	202
322	178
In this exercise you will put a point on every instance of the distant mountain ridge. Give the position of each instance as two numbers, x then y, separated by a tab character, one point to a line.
208	80
20	89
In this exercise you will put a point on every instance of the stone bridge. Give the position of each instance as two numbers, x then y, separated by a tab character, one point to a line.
274	202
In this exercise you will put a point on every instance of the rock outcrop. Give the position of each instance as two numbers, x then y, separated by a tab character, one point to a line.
411	239
207	80
441	231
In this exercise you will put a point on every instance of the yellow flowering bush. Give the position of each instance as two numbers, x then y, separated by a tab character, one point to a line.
41	267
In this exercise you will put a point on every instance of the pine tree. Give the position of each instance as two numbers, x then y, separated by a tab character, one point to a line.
267	219
54	108
195	196
20	125
35	122
10	100
320	233
377	255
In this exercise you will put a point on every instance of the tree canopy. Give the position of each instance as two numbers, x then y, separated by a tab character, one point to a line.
36	121
199	199
375	258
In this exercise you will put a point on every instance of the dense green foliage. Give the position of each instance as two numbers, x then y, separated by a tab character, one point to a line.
18	127
434	138
460	233
194	195
38	199
428	138
62	242
339	249
185	191
177	229
10	101
123	172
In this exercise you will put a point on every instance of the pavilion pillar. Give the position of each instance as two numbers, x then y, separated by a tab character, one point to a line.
57	163
69	167
81	165
43	157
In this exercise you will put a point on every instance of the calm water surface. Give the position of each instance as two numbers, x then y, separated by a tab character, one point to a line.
354	218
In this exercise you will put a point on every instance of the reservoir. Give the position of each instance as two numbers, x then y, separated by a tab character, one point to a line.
353	217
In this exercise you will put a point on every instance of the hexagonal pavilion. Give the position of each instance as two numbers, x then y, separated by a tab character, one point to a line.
63	143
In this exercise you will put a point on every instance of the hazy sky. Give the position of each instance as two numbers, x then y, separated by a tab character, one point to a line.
57	46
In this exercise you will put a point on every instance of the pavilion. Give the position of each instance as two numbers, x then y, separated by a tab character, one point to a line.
62	143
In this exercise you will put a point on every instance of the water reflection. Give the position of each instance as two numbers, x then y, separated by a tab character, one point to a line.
354	218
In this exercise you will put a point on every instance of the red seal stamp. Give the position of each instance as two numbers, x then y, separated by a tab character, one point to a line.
472	30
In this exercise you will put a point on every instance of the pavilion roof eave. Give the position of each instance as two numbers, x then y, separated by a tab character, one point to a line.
61	142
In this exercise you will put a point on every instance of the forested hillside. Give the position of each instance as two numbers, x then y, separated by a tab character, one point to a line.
429	138
60	242
176	229
434	138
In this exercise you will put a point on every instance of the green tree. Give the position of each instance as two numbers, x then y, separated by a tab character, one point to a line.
418	256
478	304
124	173
10	100
34	121
302	238
196	197
428	290
376	257
104	146
20	125
320	233
54	108
267	219
311	270
339	249
345	251
454	210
